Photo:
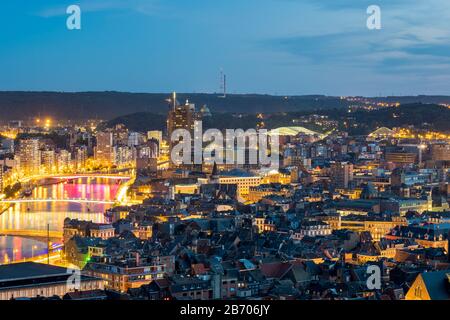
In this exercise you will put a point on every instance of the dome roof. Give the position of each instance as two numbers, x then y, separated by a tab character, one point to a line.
293	131
205	111
383	131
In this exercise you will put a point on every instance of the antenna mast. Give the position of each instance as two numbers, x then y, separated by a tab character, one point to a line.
174	98
223	84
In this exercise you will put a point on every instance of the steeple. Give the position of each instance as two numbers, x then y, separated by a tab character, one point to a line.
215	173
214	170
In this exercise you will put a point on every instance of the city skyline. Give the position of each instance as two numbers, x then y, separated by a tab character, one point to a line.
358	209
240	154
273	47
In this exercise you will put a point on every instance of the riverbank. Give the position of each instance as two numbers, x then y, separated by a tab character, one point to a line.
25	221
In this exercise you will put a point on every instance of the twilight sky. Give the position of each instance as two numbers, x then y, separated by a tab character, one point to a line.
264	46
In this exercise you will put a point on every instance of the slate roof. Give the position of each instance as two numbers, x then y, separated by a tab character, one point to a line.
275	270
28	270
435	283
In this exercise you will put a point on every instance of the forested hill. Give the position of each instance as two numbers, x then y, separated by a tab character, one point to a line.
421	116
107	105
17	105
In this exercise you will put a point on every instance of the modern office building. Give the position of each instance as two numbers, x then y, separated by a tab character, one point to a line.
341	174
181	117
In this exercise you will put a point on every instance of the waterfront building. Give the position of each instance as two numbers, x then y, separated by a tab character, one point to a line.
80	157
48	161
31	280
104	151
63	160
29	156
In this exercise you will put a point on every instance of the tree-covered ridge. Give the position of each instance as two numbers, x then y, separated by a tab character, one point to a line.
421	116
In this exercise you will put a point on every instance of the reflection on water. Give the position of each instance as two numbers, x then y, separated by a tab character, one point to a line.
82	188
16	219
36	216
18	248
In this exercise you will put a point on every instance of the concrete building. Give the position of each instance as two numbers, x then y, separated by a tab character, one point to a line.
341	174
181	117
80	157
440	152
155	134
244	180
48	160
29	156
128	274
63	160
104	151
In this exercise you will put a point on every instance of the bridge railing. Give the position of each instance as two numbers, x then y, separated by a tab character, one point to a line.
32	233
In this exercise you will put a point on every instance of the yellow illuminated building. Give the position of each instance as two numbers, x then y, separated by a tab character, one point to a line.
377	228
277	177
243	183
257	193
351	194
186	189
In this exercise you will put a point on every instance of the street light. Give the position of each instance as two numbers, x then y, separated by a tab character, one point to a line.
421	148
32	251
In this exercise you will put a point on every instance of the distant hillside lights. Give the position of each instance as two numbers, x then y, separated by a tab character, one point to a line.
231	150
73	22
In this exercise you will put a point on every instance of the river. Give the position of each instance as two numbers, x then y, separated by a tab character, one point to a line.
31	217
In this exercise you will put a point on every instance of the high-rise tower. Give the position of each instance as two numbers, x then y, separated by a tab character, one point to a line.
181	117
29	156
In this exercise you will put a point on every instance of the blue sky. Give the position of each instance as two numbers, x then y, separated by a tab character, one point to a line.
264	46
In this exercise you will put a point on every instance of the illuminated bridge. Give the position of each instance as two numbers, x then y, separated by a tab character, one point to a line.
57	200
32	233
78	176
91	175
